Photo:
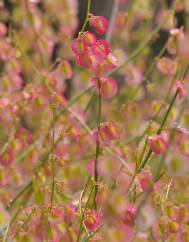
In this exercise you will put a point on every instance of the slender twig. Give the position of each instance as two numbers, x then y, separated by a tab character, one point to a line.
87	17
161	163
52	158
26	151
10	224
144	163
22	191
9	139
86	239
24	223
83	214
97	153
83	194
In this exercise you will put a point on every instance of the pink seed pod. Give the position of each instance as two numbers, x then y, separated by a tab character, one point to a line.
3	29
173	227
89	60
57	213
166	66
88	38
13	66
16	178
3	177
110	62
105	86
24	136
108	132
107	65
177	32
181	135
90	166
79	46
4	102
102	195
101	48
6	51
64	69
69	213
145	179
180	89
6	158
92	220
177	214
129	216
99	23
133	75
172	45
158	143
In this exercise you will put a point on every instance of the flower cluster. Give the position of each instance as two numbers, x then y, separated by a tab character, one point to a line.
96	55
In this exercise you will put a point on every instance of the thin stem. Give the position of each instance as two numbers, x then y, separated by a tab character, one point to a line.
150	69
9	139
11	222
24	223
87	17
22	191
97	143
83	214
167	113
144	163
86	239
52	158
83	194
161	163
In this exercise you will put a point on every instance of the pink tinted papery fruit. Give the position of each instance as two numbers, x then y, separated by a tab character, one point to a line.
158	143
166	66
99	23
78	46
89	60
101	48
180	89
129	216
6	158
64	69
92	220
106	86
145	179
88	38
108	132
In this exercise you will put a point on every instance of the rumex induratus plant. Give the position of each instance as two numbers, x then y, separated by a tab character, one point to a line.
94	127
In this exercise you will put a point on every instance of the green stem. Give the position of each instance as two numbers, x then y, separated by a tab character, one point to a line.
167	113
83	214
52	158
144	163
87	17
24	223
97	143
